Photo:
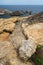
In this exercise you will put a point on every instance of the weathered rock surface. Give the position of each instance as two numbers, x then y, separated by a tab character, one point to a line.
13	19
6	25
35	32
12	35
38	17
4	36
27	49
15	60
7	52
5	48
16	37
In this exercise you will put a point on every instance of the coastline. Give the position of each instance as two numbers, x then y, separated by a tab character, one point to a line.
14	30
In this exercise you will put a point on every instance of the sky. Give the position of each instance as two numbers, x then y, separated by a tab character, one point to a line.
21	2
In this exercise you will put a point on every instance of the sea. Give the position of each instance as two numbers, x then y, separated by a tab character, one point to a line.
34	8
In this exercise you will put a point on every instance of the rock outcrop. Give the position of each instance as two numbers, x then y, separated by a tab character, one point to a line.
13	31
4	12
34	31
9	55
6	25
16	37
20	13
27	49
14	13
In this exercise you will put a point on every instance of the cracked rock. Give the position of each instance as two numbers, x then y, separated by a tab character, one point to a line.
27	49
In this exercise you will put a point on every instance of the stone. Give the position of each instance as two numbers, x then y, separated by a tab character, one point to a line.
5	48
19	62
9	26
9	53
4	36
11	56
16	37
34	31
13	19
6	25
1	63
27	49
17	13
15	60
2	12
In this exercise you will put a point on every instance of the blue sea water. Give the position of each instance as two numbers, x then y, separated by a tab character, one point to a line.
33	8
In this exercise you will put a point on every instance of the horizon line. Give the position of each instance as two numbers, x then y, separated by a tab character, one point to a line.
21	4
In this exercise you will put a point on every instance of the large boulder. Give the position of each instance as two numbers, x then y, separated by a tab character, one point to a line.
27	49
